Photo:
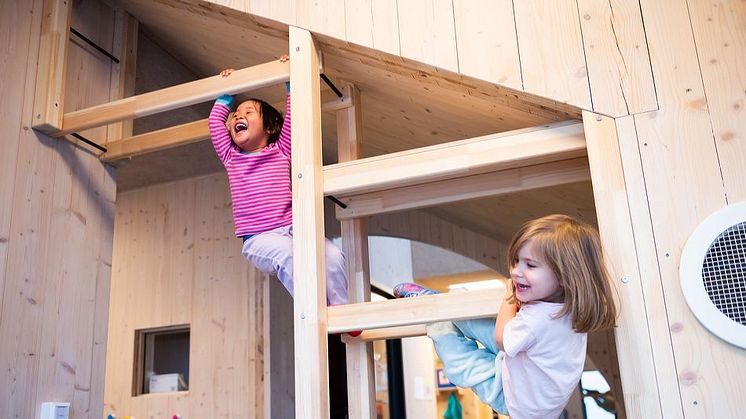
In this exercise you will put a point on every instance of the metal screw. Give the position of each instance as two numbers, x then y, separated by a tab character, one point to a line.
297	48
300	175
302	315
625	279
598	118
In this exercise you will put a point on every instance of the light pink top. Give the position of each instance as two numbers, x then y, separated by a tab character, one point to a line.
544	358
259	182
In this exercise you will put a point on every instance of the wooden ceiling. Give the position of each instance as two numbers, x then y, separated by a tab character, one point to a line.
405	105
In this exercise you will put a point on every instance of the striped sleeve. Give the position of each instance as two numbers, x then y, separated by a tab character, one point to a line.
221	138
284	141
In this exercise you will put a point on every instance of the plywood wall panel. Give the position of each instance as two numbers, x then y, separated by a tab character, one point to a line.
684	185
617	54
373	24
176	261
224	311
15	46
279	10
486	41
359	22
326	17
721	41
60	230
551	48
427	32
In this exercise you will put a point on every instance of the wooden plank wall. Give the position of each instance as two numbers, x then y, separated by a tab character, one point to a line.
677	67
177	262
587	53
56	227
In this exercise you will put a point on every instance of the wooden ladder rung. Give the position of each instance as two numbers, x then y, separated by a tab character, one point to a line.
502	151
387	333
413	311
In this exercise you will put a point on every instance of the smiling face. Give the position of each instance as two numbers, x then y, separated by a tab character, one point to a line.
246	127
533	279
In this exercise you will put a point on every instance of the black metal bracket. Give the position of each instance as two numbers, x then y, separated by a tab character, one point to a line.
331	85
94	45
337	201
89	142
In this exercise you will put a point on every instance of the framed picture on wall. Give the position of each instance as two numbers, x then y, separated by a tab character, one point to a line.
442	380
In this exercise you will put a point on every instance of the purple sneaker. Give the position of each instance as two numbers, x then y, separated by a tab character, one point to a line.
410	289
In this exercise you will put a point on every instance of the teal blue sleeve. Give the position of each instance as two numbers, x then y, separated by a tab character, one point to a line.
225	100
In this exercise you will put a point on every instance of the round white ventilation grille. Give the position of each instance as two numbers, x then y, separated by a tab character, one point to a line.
713	273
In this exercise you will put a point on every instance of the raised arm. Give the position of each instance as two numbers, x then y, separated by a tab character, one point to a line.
284	141
221	138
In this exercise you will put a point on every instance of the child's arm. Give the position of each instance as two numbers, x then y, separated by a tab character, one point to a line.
221	138
507	312
284	140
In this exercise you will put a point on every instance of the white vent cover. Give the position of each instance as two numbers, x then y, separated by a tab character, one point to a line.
713	273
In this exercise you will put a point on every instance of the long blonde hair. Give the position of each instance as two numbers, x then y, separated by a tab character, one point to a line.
572	250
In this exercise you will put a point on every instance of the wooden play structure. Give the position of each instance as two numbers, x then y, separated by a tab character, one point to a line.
633	121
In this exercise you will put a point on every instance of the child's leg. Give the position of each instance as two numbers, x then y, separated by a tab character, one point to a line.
336	275
466	365
272	253
481	330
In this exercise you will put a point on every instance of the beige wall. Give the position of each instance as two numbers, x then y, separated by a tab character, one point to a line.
56	226
176	261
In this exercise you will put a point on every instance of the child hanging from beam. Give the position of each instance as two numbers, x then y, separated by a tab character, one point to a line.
534	352
253	143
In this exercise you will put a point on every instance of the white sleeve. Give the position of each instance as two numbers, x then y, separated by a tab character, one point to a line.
518	335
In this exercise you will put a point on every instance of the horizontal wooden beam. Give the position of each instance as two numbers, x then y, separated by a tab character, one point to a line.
463	188
191	132
387	333
474	156
413	311
156	140
175	97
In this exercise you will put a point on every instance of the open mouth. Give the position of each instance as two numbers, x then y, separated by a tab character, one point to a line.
240	126
522	287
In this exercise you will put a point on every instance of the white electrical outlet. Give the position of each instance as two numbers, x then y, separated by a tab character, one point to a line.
55	410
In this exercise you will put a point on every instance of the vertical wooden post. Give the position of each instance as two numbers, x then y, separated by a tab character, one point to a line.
123	74
311	372
361	395
641	392
50	75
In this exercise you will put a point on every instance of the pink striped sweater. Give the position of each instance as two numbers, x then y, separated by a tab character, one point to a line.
259	182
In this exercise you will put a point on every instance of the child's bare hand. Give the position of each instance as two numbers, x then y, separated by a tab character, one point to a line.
227	72
284	58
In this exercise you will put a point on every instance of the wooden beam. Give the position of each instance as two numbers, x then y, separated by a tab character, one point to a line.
636	346
51	68
467	187
175	97
387	333
361	394
490	153
190	133
123	74
411	311
156	140
311	372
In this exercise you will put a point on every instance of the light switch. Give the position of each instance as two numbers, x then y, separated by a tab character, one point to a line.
55	410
